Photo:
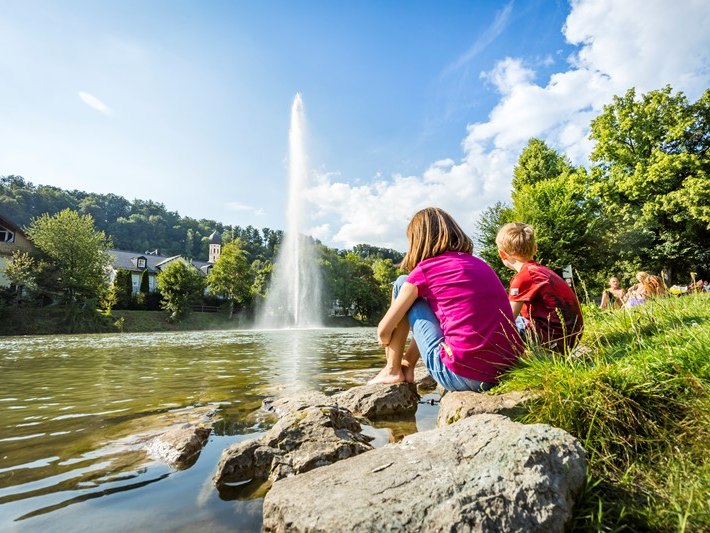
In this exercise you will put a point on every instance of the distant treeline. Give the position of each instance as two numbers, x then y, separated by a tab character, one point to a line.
146	225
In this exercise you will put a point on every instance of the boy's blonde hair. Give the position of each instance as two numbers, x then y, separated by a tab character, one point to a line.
517	239
431	232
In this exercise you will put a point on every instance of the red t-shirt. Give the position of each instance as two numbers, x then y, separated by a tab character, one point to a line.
549	304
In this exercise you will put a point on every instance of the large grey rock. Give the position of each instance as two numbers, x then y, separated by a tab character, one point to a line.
301	440
180	447
457	405
484	473
297	402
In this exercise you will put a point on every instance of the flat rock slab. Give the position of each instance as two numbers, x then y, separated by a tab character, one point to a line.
484	473
180	447
457	405
301	440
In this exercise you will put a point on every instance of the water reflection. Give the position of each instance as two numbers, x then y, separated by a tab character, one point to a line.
75	412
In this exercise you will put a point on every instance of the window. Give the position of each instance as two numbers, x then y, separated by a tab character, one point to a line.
141	262
6	235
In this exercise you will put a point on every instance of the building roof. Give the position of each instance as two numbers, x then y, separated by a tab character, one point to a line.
215	238
127	260
9	224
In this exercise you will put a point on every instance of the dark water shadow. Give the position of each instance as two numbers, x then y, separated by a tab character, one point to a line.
91	496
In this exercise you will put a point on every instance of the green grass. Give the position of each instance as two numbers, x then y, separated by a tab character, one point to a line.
635	393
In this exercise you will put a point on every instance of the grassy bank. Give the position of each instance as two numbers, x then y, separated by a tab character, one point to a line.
638	401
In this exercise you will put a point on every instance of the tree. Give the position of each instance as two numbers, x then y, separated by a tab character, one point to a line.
124	288
569	228
652	172
230	276
109	299
538	162
145	283
22	271
550	195
76	249
180	284
488	225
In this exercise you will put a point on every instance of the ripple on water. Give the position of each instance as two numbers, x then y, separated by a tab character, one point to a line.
22	437
39	463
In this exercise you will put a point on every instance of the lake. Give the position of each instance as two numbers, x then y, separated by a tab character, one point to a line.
75	410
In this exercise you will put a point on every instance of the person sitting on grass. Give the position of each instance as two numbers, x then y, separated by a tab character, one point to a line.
456	307
613	297
551	314
648	286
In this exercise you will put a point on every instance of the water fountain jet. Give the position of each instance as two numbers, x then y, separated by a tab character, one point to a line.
294	296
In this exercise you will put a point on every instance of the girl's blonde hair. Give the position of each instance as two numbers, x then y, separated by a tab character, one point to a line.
652	285
431	232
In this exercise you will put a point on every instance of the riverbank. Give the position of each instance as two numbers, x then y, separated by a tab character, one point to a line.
57	320
637	395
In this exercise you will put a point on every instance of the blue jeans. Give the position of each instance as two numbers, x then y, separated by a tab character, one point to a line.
427	333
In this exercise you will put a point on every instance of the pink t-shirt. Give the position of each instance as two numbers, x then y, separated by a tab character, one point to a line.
472	306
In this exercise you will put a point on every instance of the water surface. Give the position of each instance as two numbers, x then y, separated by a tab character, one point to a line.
75	411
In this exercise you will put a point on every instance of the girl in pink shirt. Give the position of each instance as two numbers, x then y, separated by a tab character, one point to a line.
456	307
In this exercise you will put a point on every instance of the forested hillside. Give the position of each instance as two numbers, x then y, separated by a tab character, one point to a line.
141	225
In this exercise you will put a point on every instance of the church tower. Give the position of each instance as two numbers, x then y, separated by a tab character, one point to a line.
215	247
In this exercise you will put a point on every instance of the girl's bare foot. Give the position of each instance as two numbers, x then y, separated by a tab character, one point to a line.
408	372
387	376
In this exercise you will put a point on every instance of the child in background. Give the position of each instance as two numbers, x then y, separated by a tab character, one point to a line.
552	314
456	307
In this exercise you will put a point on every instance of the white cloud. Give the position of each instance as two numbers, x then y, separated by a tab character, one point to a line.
94	103
645	44
244	208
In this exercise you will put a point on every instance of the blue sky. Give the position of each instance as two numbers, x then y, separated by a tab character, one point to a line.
408	103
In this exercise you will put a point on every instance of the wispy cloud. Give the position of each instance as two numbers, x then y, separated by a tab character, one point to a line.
486	38
94	103
244	208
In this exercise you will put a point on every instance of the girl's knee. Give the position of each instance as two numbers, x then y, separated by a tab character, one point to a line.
398	284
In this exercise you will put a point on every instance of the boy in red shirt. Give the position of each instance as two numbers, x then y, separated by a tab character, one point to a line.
553	316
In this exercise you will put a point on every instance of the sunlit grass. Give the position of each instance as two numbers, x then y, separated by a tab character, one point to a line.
636	395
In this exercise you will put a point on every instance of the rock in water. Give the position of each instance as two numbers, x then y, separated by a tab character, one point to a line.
379	400
484	473
180	447
302	439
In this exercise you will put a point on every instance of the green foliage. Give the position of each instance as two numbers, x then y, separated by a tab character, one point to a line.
22	270
124	288
538	162
76	250
487	227
651	174
109	299
636	394
139	225
568	228
145	283
181	285
349	279
367	251
230	276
